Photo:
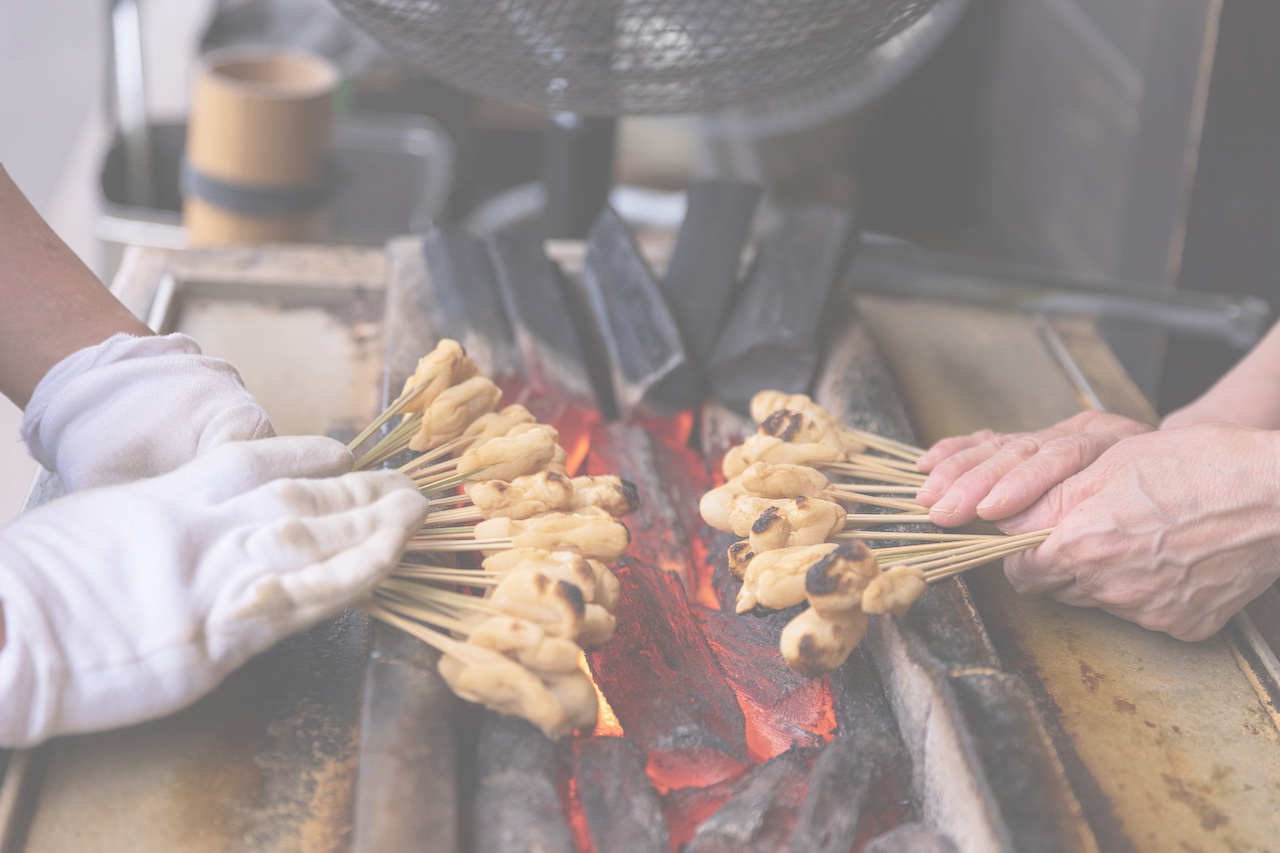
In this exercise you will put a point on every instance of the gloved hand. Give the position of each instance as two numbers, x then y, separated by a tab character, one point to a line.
992	475
125	603
1175	530
133	407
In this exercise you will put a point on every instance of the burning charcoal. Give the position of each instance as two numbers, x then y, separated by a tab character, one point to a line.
621	809
465	293
911	838
516	807
532	291
707	258
774	333
651	373
761	814
861	785
659	527
664	683
782	707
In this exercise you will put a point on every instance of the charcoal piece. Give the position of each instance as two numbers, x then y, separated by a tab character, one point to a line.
515	806
861	785
854	794
911	838
621	808
1025	776
773	336
532	292
703	272
651	375
407	743
761	812
664	683
724	585
783	708
660	525
467	303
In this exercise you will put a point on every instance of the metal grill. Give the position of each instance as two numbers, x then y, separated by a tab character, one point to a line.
632	57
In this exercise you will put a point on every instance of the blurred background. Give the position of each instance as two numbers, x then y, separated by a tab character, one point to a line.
1136	143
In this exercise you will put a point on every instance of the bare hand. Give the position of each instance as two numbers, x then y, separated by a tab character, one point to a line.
992	475
1175	530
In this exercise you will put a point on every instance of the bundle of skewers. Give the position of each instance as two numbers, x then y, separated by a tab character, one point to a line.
801	543
537	589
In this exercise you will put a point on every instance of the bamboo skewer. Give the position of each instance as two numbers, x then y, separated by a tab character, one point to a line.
885	518
888	445
873	500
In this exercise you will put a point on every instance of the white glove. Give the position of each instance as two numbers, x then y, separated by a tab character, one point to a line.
122	604
133	407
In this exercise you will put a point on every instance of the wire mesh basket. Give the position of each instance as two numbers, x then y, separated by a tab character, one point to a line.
643	57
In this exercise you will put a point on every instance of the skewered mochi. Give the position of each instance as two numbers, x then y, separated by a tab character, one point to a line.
445	365
834	584
499	683
740	556
493	424
776	579
732	511
523	497
591	532
767	448
766	403
813	644
800	428
528	448
782	480
577	696
455	408
607	588
894	591
609	492
796	521
527	642
560	565
598	627
554	605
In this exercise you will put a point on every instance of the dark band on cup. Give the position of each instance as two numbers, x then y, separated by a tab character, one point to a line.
256	201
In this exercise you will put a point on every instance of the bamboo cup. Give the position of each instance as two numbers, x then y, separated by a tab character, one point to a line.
258	147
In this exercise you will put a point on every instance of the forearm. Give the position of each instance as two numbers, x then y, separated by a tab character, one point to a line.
1248	394
53	304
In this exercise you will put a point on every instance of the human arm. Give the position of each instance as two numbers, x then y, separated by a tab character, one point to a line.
1247	394
53	304
106	401
125	603
1175	529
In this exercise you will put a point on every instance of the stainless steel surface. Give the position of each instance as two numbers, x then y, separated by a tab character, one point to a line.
890	266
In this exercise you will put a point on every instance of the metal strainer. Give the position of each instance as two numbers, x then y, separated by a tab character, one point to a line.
634	57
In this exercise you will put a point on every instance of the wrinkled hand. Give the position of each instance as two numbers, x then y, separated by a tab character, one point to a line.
125	603
992	475
1175	530
134	407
